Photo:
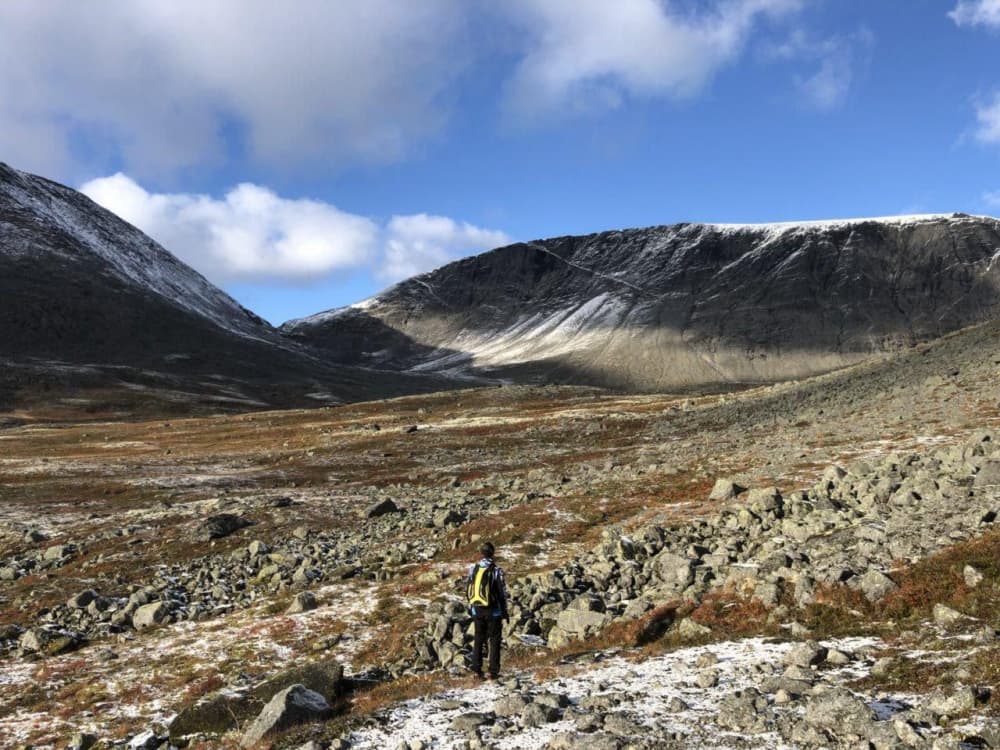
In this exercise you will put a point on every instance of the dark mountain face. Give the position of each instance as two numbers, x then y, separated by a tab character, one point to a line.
87	300
679	306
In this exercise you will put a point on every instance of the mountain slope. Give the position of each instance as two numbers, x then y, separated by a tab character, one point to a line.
87	300
680	306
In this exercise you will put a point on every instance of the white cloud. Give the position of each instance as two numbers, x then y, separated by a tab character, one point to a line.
992	198
420	242
252	234
587	55
988	120
977	13
837	58
164	84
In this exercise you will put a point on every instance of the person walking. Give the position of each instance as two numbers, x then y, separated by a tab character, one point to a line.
487	594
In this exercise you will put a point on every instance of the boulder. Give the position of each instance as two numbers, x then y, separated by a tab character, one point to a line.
840	713
725	490
221	525
225	710
49	642
149	615
381	508
304	601
947	617
875	585
292	706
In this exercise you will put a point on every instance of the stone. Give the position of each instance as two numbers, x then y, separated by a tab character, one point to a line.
81	600
221	525
725	490
445	518
144	741
225	710
304	601
707	679
578	741
292	706
49	642
744	711
952	702
149	615
471	721
56	552
688	629
381	508
840	713
535	715
875	585
805	654
510	705
673	570
81	741
972	576
947	617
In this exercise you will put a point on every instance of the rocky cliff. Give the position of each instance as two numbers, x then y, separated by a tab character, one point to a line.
682	306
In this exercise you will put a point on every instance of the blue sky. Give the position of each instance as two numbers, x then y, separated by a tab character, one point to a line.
304	160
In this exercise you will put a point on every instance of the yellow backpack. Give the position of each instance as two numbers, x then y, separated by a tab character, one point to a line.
480	590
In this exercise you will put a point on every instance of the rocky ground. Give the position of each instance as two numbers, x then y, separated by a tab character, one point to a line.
801	565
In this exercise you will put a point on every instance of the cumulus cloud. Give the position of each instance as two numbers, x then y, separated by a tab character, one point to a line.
587	55
253	234
835	58
168	84
420	242
977	13
988	120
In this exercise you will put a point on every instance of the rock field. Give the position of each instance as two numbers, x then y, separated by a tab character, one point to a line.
804	565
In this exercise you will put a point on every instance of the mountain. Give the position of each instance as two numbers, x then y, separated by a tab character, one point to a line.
87	301
681	306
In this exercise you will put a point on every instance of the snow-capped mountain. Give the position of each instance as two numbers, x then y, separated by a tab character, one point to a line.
79	287
687	305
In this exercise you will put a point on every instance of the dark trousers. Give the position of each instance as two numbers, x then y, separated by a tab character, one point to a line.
488	628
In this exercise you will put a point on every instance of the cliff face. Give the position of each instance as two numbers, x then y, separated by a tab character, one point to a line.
679	306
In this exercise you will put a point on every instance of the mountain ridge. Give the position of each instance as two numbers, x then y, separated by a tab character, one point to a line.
723	304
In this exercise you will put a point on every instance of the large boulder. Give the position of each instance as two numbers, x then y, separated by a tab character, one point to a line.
225	710
221	525
149	615
292	706
49	642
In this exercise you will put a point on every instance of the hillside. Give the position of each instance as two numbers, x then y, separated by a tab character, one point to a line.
93	312
689	306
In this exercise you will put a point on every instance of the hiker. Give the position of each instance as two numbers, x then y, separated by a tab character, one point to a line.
487	592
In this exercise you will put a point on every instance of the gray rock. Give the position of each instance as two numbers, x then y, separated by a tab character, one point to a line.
725	490
470	722
81	600
972	576
81	741
292	706
875	585
952	702
221	525
510	705
149	615
688	629
805	654
381	508
840	713
535	715
304	601
49	642
744	711
946	616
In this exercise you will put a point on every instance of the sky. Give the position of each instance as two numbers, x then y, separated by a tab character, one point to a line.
305	155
